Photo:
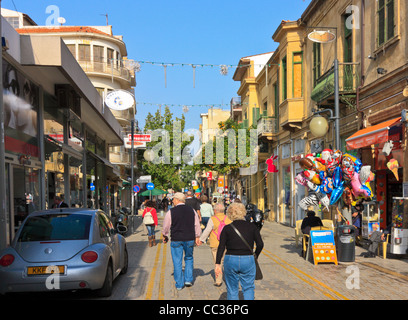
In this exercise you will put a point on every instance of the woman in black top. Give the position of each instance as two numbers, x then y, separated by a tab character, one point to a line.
239	262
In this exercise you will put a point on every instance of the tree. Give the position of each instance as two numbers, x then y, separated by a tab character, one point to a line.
233	150
166	167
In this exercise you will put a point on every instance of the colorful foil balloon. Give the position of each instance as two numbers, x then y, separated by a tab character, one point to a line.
358	188
336	194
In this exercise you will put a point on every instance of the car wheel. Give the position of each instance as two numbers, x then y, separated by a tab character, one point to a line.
106	289
125	263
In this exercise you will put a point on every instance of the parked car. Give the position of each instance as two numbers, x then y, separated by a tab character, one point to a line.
64	249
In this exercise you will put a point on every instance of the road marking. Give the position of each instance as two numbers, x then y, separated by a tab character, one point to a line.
163	266
385	270
313	282
153	274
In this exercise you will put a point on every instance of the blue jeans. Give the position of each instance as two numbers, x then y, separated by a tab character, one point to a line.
240	269
150	229
177	250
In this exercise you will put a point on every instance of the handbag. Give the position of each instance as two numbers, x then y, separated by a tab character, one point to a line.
148	218
258	275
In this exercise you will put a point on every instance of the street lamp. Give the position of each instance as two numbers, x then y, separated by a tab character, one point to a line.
319	126
326	36
148	155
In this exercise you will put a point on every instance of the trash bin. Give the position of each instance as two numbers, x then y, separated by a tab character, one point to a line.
346	243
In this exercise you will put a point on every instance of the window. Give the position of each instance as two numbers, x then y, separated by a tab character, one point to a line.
51	227
276	96
316	62
13	21
297	67
284	79
71	48
98	58
110	56
386	19
84	52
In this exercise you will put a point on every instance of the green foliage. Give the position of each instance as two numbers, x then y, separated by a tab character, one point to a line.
229	150
165	175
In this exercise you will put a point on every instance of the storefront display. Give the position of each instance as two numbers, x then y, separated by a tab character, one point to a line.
371	218
399	236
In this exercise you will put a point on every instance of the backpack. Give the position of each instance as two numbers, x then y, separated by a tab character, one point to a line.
220	227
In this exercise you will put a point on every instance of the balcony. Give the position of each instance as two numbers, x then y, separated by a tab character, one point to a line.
349	80
267	126
106	69
236	106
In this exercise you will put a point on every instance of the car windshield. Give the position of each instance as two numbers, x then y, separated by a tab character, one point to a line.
56	227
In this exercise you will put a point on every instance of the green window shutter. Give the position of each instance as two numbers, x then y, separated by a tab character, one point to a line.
390	19
381	22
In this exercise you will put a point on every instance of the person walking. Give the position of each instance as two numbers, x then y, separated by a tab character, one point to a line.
213	230
239	261
193	202
206	210
150	220
183	225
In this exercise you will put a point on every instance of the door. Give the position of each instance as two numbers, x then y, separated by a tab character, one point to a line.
299	195
25	193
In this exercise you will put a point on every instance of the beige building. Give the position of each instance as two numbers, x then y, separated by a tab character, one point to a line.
57	133
103	57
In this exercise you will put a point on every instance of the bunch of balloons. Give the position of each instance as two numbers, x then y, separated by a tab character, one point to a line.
332	174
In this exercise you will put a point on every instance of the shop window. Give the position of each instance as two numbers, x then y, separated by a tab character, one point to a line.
21	101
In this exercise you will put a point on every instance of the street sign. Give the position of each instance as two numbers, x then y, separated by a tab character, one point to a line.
140	137
136	188
144	179
119	100
136	144
150	186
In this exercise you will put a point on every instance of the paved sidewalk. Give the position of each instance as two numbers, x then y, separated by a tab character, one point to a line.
287	276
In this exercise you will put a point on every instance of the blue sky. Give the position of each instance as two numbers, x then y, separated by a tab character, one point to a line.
179	31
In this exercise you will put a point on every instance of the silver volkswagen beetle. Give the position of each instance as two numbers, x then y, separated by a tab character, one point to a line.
64	249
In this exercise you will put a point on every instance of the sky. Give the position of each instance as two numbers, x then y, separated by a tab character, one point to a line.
214	32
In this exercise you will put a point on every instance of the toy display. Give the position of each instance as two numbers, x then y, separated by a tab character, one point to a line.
331	175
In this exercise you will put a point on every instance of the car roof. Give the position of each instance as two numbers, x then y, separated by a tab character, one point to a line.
66	210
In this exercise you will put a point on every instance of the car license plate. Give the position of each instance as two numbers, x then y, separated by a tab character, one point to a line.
42	270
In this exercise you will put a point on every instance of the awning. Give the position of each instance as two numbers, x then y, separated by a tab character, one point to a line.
372	135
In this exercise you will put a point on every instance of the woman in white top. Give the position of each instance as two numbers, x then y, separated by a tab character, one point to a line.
206	210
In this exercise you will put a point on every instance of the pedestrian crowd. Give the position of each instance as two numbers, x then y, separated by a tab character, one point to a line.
193	221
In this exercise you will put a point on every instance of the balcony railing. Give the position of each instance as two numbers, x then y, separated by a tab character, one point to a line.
349	79
107	68
267	125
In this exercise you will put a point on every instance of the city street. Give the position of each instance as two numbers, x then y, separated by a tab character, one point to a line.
287	276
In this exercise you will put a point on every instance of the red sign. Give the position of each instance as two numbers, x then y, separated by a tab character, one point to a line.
141	137
209	175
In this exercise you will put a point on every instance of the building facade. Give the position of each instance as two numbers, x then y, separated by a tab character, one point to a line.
298	83
57	133
103	57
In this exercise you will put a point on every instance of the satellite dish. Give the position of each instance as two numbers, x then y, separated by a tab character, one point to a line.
120	100
322	36
61	20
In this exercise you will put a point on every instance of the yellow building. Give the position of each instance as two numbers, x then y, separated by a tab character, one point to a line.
253	109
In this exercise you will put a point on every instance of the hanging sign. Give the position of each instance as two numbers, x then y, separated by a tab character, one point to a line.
323	247
120	100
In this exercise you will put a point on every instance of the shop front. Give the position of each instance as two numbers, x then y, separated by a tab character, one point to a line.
381	147
22	147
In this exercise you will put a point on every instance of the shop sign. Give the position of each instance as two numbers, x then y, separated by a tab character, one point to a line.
120	100
140	137
324	249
